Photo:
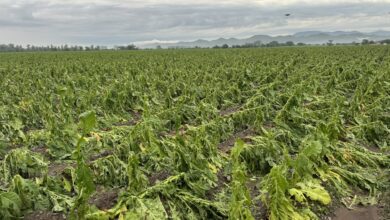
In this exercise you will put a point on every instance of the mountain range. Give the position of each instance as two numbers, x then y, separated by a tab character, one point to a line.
307	37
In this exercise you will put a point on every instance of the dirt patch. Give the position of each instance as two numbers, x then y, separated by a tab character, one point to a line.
56	168
182	131
104	199
222	181
269	125
344	139
100	155
172	133
244	135
372	148
136	118
259	211
44	215
359	213
384	206
41	150
229	111
166	206
158	176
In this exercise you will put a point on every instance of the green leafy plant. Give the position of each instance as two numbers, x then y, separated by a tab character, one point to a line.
84	175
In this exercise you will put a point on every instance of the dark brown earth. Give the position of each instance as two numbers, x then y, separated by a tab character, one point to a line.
229	143
182	130
41	150
100	155
229	111
167	208
103	198
172	133
44	215
259	211
222	181
56	168
373	148
380	211
136	117
384	206
359	213
269	124
158	176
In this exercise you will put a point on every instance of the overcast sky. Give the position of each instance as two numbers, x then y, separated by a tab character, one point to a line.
113	22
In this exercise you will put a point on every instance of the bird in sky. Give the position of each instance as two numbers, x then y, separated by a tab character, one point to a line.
287	14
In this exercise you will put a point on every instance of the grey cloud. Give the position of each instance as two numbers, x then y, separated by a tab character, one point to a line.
116	23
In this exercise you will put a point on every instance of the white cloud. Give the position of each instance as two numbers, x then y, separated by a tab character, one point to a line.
121	21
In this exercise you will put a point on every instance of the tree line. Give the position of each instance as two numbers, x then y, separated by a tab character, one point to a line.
28	47
65	47
290	43
260	44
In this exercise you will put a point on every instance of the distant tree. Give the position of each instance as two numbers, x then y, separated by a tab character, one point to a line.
330	43
65	47
133	47
289	43
158	47
273	44
301	44
224	46
365	42
386	41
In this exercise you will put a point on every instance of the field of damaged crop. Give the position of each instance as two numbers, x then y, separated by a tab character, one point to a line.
269	133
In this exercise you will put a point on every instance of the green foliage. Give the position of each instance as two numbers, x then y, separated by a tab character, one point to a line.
158	128
239	207
23	162
87	122
84	175
10	205
312	190
29	193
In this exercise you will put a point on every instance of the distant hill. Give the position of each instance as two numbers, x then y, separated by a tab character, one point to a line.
307	37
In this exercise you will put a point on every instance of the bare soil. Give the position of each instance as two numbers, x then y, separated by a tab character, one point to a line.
41	150
359	213
136	118
172	133
244	135
380	211
222	181
56	168
167	208
373	149
229	111
104	199
269	125
100	155
259	211
384	205
158	176
44	215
